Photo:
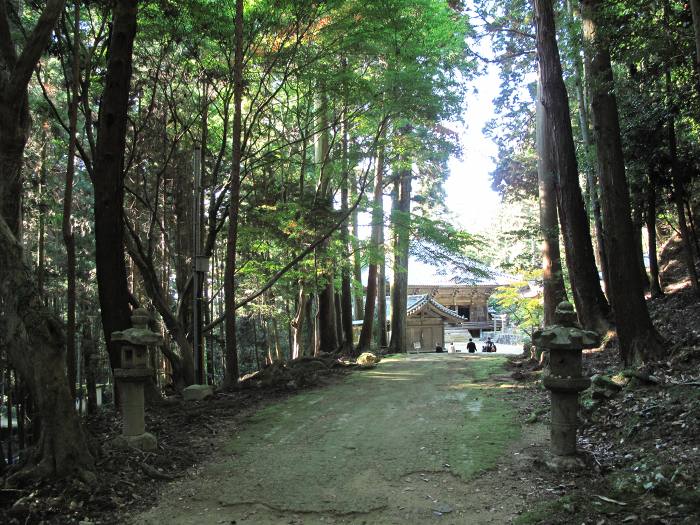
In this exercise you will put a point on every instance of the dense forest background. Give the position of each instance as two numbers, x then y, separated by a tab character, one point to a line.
223	163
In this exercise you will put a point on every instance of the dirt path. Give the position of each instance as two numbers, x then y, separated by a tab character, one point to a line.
419	439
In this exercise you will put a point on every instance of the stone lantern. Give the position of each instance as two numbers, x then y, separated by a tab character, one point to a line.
565	341
132	376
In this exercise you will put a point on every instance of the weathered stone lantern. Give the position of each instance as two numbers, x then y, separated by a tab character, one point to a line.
565	341
132	376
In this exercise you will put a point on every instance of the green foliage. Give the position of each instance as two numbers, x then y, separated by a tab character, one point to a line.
521	304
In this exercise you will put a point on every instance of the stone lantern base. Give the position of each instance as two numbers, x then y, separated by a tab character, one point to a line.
565	463
131	400
146	442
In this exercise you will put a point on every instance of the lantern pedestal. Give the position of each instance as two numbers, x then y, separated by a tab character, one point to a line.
131	401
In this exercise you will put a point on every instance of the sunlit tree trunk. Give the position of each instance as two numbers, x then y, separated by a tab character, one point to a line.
298	323
592	308
381	289
650	217
231	373
328	335
639	340
589	148
374	252
401	225
346	278
356	263
552	274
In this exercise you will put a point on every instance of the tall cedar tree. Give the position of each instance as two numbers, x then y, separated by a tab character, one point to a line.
552	274
401	223
593	309
231	374
639	341
365	341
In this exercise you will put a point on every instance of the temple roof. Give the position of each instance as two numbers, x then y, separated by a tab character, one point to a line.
424	303
417	304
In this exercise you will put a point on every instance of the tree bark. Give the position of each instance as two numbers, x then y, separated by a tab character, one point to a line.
552	274
637	225
90	356
381	288
328	335
401	221
338	318
656	290
695	10
592	308
232	373
356	263
67	223
589	148
345	278
34	341
639	340
374	253
32	337
108	179
43	209
297	323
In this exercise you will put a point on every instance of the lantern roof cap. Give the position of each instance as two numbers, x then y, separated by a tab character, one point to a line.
565	334
139	333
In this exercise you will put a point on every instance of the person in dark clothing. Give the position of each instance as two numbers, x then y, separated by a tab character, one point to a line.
490	347
471	346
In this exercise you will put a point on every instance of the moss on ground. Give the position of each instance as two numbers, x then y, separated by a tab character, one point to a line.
409	414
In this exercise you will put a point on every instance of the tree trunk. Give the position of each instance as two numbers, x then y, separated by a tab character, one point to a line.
43	209
108	180
34	341
639	340
326	317
231	375
345	278
589	150
401	221
552	274
695	9
656	290
381	289
375	253
67	222
90	358
592	308
338	318
356	263
31	336
297	323
637	225
328	335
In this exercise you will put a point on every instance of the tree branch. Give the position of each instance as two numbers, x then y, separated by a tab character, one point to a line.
34	47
